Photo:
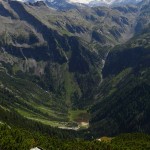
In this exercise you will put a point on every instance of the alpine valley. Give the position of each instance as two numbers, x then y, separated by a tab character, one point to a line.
75	75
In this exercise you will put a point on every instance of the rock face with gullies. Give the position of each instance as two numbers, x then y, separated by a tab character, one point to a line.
61	52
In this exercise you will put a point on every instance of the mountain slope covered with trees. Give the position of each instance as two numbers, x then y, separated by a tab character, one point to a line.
124	97
82	68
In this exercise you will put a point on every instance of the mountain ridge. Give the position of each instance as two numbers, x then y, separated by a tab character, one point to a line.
69	4
60	53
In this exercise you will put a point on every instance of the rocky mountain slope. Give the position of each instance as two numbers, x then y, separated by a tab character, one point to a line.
112	2
68	4
53	59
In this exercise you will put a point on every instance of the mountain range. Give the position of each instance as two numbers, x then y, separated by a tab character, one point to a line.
91	3
113	2
73	66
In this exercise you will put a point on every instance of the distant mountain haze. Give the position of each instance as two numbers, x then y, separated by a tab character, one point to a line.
89	2
104	1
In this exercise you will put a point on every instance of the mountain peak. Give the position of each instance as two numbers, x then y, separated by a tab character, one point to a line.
112	2
88	2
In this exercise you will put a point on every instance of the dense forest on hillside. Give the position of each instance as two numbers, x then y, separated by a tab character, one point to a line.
75	78
124	95
22	139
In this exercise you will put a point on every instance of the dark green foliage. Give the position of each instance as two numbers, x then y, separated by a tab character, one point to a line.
124	94
53	64
134	141
125	110
16	139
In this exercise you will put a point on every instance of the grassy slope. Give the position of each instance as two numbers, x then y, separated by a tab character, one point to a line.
30	100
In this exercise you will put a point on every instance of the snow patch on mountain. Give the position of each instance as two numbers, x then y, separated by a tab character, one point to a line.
86	2
108	2
80	1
